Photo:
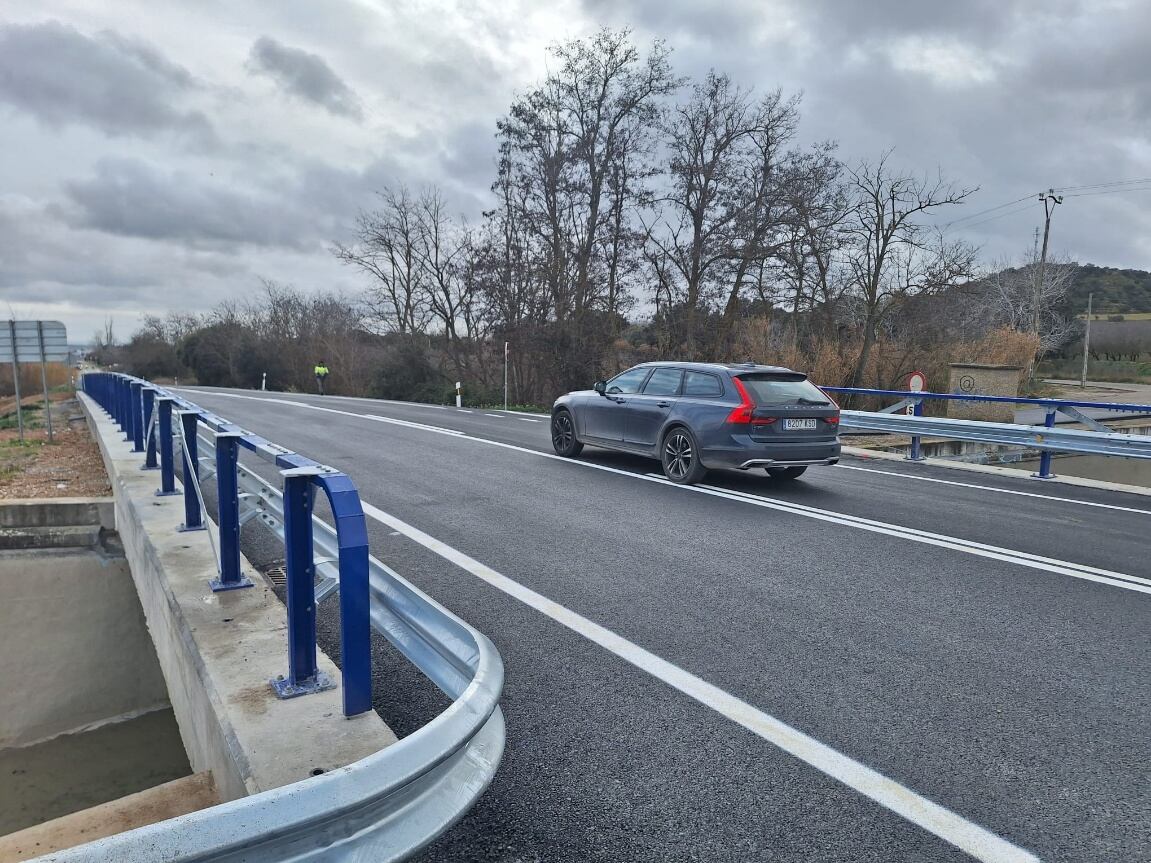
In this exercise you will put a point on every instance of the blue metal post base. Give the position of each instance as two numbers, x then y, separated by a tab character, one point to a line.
284	688
218	584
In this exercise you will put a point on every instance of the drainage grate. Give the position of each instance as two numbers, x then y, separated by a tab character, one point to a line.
278	576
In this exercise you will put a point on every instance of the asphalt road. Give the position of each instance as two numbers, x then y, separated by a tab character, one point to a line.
979	641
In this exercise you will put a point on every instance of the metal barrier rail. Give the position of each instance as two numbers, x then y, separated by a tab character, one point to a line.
384	807
1100	440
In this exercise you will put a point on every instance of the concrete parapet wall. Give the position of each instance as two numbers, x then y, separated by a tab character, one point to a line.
218	651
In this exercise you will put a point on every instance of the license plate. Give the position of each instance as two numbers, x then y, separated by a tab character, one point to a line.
799	425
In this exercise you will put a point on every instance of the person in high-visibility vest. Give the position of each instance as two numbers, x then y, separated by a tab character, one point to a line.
321	375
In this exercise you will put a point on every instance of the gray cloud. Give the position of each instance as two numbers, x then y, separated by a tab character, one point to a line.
119	85
304	75
129	198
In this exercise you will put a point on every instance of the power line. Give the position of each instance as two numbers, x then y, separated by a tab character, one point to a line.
1102	185
1107	192
989	210
1001	215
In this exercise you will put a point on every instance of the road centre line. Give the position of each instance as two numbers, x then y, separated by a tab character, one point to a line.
497	416
528	420
1019	558
993	488
947	825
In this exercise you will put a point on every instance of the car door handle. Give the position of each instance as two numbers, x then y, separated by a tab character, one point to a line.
663	404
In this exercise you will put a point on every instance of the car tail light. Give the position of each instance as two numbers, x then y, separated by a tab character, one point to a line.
832	421
742	414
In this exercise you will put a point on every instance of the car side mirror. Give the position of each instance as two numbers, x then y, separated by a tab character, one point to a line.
600	387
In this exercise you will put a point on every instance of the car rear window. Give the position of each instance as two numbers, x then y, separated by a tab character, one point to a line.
794	389
701	384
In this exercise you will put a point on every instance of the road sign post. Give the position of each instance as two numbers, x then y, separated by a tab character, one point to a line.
30	342
916	383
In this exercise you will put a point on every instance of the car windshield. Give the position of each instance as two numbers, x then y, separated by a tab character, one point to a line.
794	389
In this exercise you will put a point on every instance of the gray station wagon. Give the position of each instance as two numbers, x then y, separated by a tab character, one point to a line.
696	416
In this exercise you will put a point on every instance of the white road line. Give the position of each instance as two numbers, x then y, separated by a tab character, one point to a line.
497	416
528	420
1110	578
463	410
935	819
1021	558
993	488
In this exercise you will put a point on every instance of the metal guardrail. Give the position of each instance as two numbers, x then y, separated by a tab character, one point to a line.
1048	438
384	807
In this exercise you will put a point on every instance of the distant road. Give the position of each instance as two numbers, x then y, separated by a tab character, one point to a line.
879	662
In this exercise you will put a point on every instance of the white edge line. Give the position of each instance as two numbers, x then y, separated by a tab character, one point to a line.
935	819
993	488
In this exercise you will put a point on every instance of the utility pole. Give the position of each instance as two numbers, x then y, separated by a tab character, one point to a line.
1086	343
1050	200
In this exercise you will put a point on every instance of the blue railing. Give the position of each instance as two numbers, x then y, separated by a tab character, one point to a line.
145	414
1048	442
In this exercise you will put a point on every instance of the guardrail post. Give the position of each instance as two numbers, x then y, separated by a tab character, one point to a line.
149	394
137	390
303	675
1045	456
228	512
193	517
167	456
916	454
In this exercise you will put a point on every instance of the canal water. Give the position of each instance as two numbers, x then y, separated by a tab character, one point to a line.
75	771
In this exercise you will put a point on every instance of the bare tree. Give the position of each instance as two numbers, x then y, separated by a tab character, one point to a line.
711	222
1008	299
387	249
893	255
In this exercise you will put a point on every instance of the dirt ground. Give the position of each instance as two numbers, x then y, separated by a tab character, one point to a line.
70	466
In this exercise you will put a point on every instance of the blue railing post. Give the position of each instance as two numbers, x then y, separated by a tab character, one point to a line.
167	456
122	405
1045	456
150	435
228	512
193	516
355	596
137	390
916	453
303	675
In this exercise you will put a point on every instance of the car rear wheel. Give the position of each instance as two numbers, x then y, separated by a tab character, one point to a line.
564	441
786	472
680	457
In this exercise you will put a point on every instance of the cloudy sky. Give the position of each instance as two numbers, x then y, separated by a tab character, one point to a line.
166	155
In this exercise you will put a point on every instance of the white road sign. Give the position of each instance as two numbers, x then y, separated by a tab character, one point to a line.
28	335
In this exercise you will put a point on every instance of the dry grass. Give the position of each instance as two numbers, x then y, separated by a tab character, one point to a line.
59	375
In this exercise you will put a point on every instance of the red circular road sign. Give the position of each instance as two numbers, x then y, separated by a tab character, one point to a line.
916	382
